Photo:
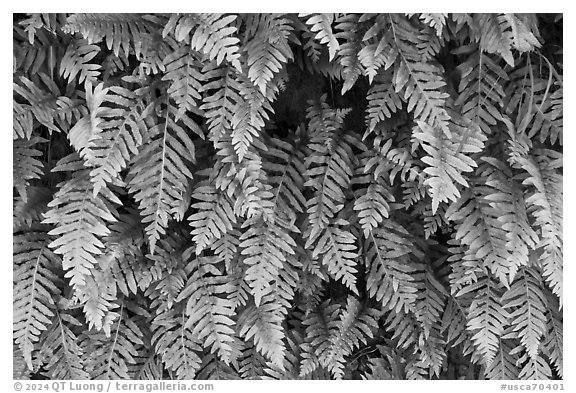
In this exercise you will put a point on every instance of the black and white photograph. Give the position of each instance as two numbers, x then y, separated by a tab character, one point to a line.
287	196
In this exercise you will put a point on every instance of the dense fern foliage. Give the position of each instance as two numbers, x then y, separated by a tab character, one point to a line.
282	196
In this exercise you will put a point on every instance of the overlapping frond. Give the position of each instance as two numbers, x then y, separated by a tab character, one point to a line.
80	220
207	309
65	358
35	290
211	34
159	174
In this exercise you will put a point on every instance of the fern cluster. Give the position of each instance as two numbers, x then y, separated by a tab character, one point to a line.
282	196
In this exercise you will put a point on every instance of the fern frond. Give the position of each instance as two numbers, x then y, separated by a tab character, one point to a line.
421	82
109	357
553	340
120	133
353	328
478	228
214	216
160	173
430	304
350	52
446	161
87	130
504	364
176	344
383	100
42	106
124	34
183	72
34	290
98	294
321	24
80	219
76	62
486	317
389	268
60	347
481	90
285	167
25	166
249	118
372	205
220	104
535	368
268	48
527	304
337	247
265	246
207	310
494	36
328	167
319	323
212	34
262	324
436	21
545	205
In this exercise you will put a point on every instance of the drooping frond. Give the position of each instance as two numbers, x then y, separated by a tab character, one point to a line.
446	161
389	267
207	309
220	104
478	228
115	133
124	34
262	324
486	317
80	220
76	62
159	174
481	90
329	169
545	205
265	246
504	364
337	247
321	24
182	70
110	357
178	347
352	329
35	290
65	356
526	303
214	216
267	48
25	166
211	34
383	100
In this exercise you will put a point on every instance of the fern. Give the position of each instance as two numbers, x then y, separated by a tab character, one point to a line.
177	345
527	301
34	291
208	314
60	347
160	172
124	33
212	35
80	219
287	196
76	62
109	358
268	48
